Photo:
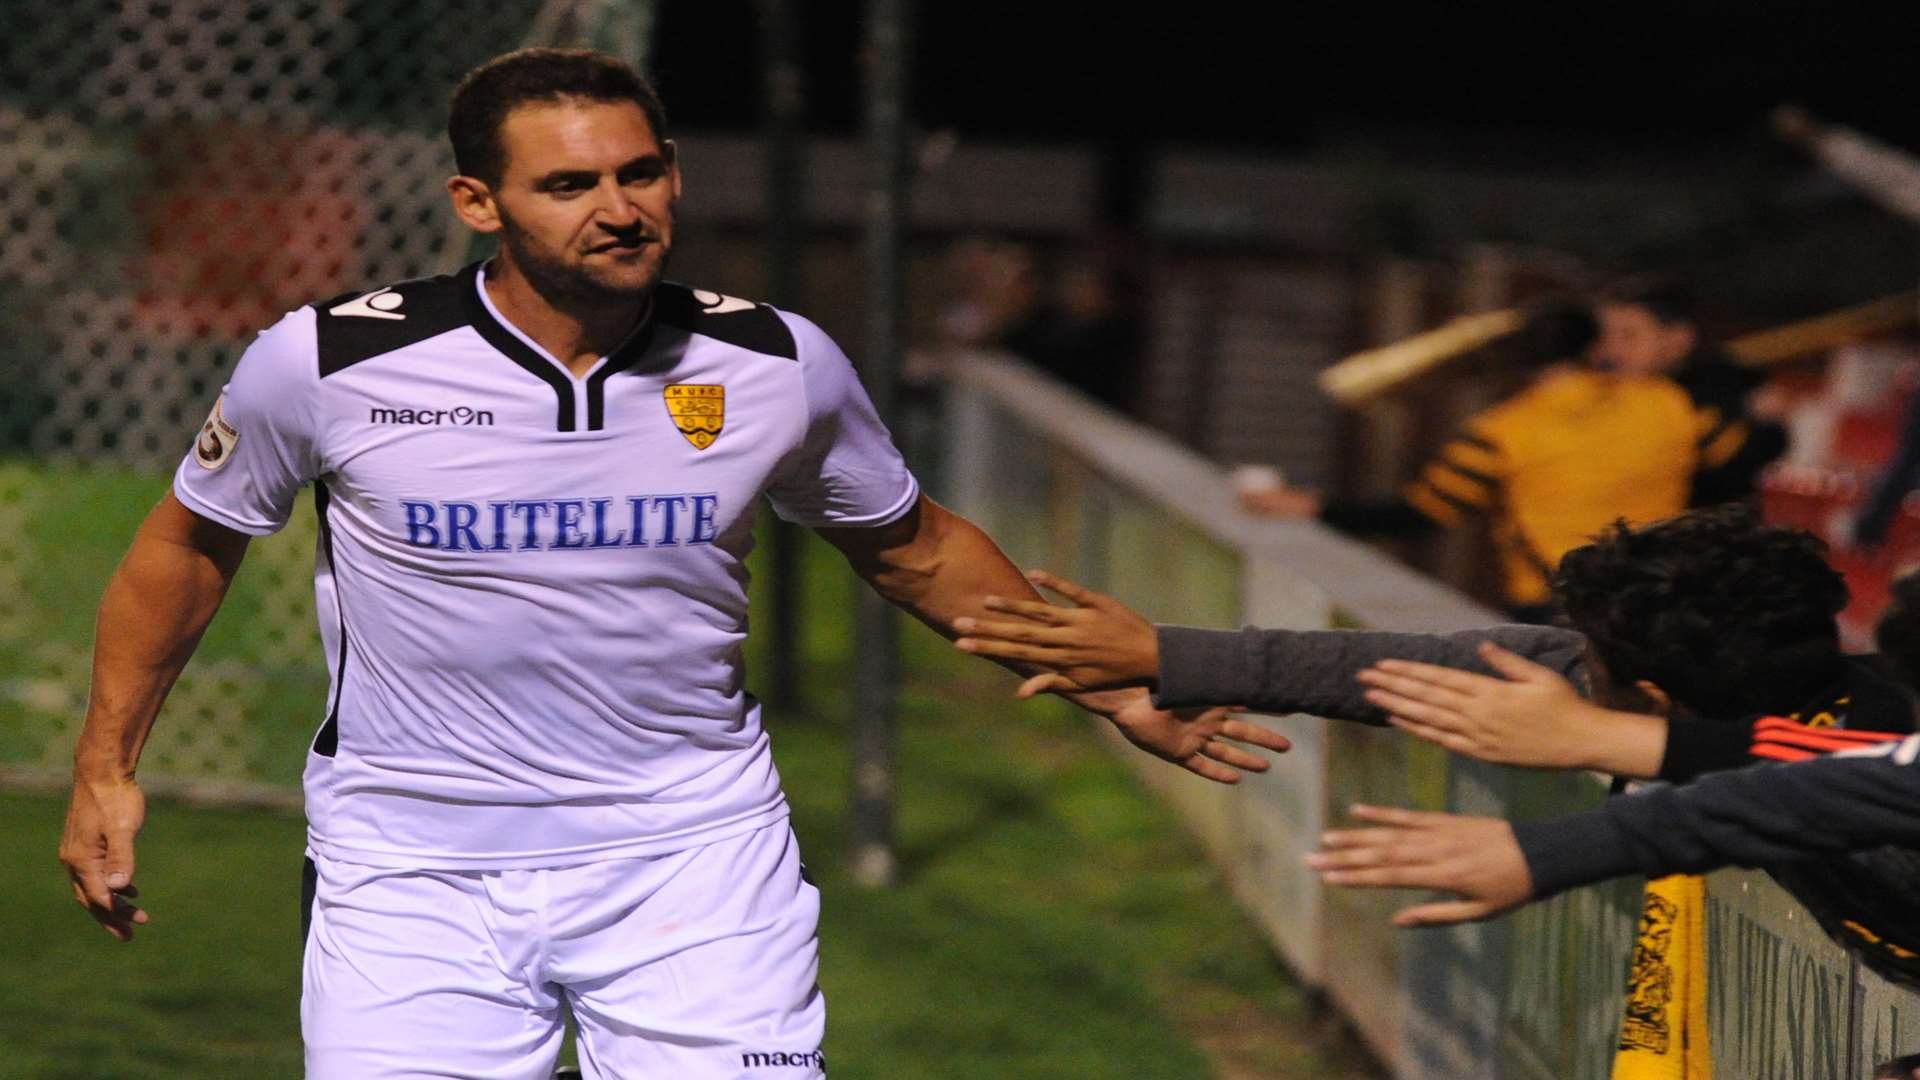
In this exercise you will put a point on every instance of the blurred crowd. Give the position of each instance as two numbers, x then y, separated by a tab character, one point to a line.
1075	315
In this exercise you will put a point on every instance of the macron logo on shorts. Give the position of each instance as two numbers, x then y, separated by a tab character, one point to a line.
783	1059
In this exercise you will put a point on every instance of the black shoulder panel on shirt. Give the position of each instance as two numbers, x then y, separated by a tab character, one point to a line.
359	326
755	327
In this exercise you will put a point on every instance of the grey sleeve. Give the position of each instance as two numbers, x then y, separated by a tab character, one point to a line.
1759	816
1312	671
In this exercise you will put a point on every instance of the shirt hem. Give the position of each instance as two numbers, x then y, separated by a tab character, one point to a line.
552	859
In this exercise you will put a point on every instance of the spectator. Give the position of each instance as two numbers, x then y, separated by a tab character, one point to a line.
1554	464
1649	328
1086	333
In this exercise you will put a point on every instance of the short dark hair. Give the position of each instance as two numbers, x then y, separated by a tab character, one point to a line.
1553	331
1728	615
1668	301
494	89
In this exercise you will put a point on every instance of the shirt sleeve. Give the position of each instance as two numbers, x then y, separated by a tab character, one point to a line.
1762	816
846	471
257	447
1312	671
1465	479
1696	746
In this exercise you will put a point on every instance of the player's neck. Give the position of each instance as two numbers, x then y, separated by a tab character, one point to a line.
577	334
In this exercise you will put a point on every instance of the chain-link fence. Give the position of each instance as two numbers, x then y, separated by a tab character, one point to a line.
173	176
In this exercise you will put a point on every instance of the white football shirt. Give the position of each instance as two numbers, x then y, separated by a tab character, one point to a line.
531	586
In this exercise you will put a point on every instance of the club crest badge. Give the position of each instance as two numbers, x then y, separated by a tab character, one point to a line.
699	411
213	448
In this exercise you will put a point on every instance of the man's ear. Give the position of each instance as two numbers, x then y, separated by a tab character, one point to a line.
1659	702
473	203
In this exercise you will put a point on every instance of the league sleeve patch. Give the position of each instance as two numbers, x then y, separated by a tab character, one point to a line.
214	446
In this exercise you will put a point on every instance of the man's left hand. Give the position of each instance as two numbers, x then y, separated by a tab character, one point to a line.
1199	741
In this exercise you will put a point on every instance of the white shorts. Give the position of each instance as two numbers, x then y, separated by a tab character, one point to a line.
699	964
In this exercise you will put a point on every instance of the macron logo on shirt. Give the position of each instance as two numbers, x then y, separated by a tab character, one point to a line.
463	415
558	524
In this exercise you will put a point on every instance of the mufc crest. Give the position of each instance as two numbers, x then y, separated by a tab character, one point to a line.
698	411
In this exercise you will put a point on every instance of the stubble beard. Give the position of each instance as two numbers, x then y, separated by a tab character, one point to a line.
567	284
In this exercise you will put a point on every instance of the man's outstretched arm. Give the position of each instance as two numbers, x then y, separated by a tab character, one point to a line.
941	568
1101	643
156	606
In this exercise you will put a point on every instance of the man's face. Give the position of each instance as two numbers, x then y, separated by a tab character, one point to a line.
1634	342
586	199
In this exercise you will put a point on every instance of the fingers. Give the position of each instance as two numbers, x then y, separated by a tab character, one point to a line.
1513	665
1051	682
89	877
1351	849
1418	707
119	862
1398	815
1443	913
1229	754
1079	594
1037	610
113	910
1451	741
1253	734
1212	770
1043	655
1030	632
1461	682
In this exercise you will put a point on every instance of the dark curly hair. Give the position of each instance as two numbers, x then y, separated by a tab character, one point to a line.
1728	615
494	89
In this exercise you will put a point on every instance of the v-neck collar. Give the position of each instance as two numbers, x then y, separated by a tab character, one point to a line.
511	342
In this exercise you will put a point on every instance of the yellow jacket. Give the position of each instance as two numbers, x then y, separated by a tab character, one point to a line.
1560	461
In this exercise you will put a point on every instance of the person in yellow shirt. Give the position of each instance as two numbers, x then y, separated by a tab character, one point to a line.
1551	466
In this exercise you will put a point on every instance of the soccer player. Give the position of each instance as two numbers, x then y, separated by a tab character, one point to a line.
540	785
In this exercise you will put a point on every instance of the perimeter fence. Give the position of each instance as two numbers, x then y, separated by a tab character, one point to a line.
1536	995
175	174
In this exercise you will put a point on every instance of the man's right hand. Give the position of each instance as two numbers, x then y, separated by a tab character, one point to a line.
1101	644
97	848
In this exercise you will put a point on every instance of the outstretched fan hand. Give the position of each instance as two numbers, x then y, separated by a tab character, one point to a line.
1100	644
1476	859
